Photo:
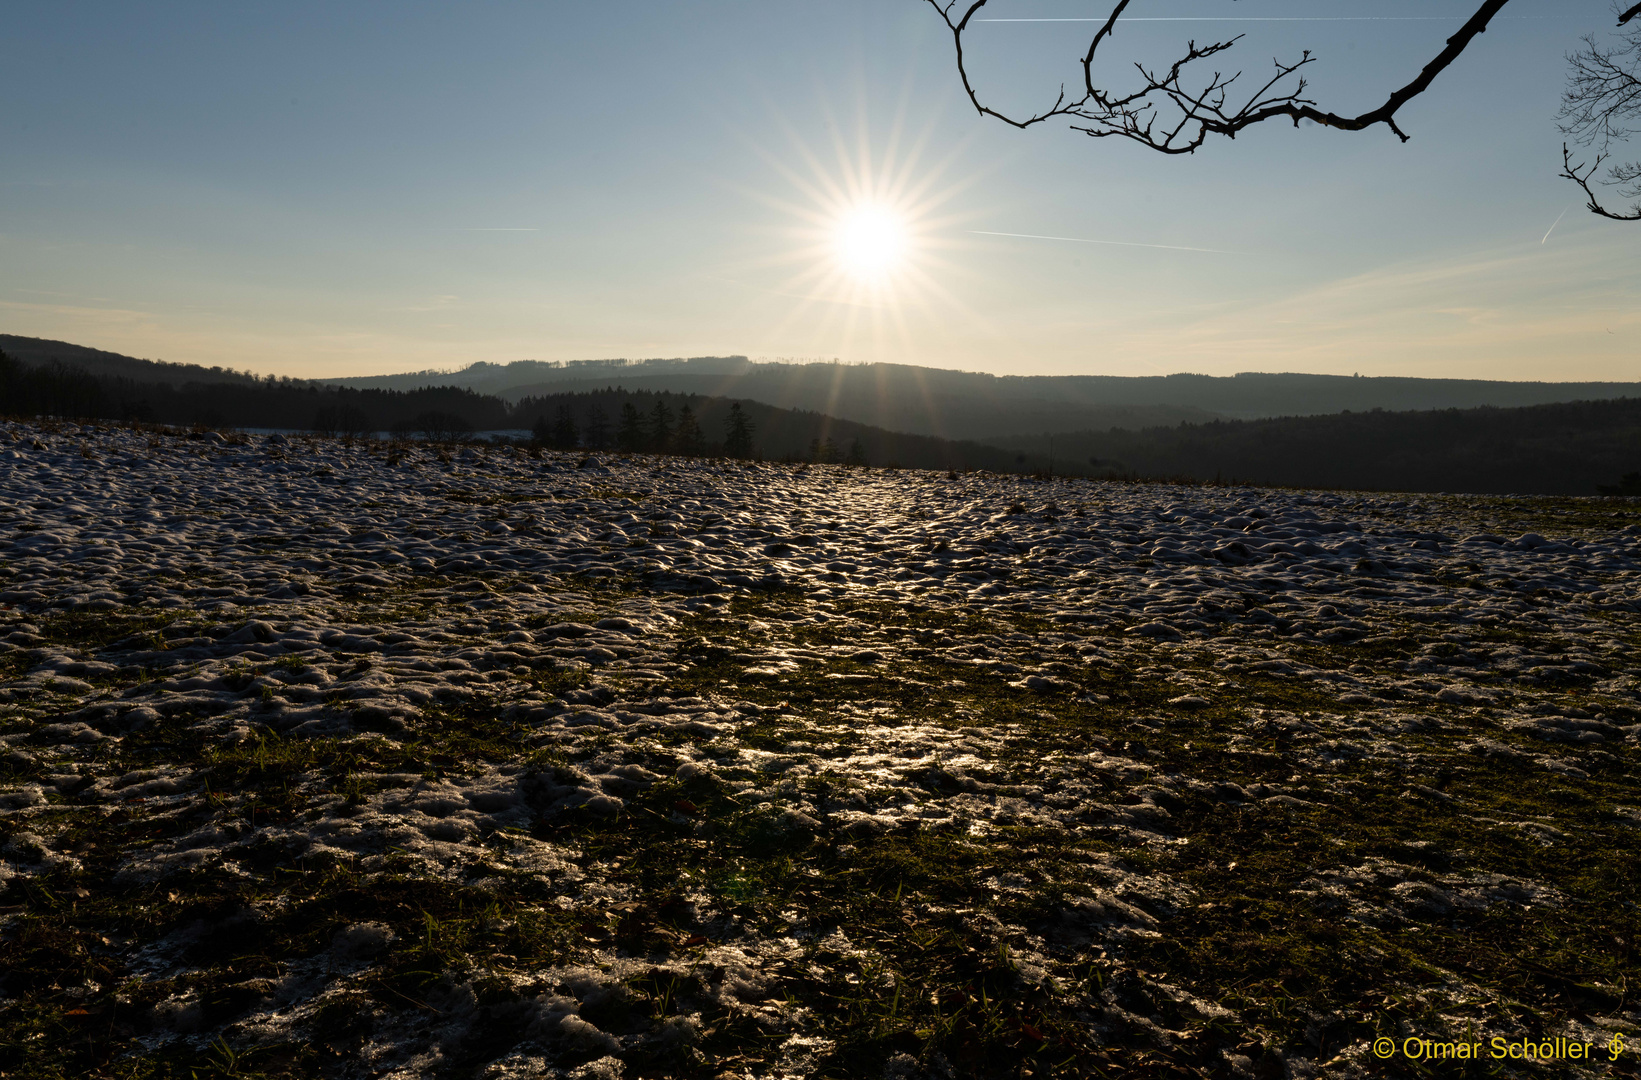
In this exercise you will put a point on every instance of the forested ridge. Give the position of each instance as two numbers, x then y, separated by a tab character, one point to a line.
1576	448
596	417
61	390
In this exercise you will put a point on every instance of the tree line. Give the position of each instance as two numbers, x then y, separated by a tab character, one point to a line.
661	421
597	421
1580	448
57	389
1575	448
658	430
607	419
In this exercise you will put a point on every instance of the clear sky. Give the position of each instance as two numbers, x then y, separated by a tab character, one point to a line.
339	187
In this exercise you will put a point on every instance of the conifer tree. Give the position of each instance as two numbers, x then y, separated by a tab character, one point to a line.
565	435
737	432
660	426
598	429
688	439
629	436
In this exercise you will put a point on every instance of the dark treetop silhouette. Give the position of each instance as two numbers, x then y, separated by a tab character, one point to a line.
1174	110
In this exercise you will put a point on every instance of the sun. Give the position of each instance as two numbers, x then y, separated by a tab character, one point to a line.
862	232
860	242
870	242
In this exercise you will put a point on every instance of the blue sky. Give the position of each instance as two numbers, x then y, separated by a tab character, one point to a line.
345	188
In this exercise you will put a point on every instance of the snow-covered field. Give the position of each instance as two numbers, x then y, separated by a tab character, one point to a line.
389	761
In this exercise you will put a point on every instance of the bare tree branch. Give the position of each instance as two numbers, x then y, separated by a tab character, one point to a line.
1581	174
1195	113
1174	110
1603	92
1601	106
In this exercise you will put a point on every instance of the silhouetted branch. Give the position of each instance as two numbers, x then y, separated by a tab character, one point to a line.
1603	92
1600	106
1581	175
1193	114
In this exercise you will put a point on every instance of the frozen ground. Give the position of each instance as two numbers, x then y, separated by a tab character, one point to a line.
364	761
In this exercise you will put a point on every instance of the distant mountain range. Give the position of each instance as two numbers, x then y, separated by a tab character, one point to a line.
917	400
83	384
945	403
1304	430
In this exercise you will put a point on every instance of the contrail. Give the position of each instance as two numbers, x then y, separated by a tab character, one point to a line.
458	229
1270	18
1113	243
1554	223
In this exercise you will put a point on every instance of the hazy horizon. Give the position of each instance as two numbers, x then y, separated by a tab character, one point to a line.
593	368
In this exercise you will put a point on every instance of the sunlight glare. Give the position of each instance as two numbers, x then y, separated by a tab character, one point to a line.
863	238
871	241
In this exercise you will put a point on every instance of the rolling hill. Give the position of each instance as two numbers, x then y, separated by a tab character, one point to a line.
933	401
888	414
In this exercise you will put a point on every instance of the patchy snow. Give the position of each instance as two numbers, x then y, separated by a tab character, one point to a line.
471	579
